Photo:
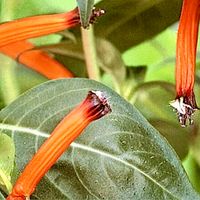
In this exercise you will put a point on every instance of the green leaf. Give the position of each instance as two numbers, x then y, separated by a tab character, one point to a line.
108	57
130	22
85	8
120	156
22	8
2	197
134	77
193	170
70	54
7	157
156	95
15	79
27	78
8	84
1	103
178	137
152	99
152	52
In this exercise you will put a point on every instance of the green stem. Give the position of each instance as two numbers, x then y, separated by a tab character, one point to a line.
89	49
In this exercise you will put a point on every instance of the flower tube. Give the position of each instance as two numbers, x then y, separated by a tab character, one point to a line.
37	60
31	27
185	103
92	108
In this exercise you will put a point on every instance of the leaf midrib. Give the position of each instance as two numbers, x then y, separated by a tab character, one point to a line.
82	147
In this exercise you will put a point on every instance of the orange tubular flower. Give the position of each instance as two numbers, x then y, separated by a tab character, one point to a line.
185	103
36	26
31	27
36	60
93	107
13	35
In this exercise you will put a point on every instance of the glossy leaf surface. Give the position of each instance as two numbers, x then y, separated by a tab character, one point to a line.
120	156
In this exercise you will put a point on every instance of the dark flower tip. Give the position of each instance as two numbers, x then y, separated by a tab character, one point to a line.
99	104
185	108
96	13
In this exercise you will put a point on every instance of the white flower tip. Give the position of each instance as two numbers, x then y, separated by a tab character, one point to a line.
184	110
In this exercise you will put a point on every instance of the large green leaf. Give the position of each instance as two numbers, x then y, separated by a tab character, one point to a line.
117	157
130	22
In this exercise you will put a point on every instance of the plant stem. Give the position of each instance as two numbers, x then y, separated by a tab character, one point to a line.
89	49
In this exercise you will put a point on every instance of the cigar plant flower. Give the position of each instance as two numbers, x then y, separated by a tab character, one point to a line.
31	27
92	108
38	60
185	103
36	26
13	36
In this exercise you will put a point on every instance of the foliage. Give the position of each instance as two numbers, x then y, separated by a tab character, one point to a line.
121	156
